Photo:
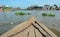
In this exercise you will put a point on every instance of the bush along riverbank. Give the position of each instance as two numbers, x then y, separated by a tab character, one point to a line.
22	13
51	15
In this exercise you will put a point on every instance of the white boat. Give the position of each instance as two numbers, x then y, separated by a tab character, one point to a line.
29	28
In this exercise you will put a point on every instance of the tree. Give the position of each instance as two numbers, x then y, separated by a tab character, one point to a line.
55	6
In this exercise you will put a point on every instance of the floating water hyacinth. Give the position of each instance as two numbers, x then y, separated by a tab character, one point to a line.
22	13
53	15
45	14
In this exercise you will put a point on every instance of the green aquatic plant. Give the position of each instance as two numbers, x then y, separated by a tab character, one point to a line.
44	14
53	15
22	13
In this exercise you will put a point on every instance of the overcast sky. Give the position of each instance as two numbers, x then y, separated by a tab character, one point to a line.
26	3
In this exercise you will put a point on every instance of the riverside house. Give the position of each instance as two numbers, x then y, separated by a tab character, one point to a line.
46	7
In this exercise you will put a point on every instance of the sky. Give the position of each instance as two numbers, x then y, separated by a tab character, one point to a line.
26	3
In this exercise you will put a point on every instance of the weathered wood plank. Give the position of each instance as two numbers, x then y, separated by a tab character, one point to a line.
31	32
46	29
37	33
44	33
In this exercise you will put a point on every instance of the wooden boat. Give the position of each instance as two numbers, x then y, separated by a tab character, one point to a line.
29	28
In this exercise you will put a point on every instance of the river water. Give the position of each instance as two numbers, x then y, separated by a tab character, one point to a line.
8	20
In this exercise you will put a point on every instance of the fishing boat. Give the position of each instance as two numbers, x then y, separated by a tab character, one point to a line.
29	28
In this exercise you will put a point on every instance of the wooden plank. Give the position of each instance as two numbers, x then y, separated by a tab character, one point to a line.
31	32
41	30
37	33
26	32
19	35
23	33
47	30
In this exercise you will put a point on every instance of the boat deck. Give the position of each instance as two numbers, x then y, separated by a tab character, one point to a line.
29	28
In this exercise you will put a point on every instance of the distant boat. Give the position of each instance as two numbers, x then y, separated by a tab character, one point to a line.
29	28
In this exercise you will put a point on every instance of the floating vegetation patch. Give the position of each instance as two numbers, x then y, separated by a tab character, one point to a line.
45	14
53	15
22	13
